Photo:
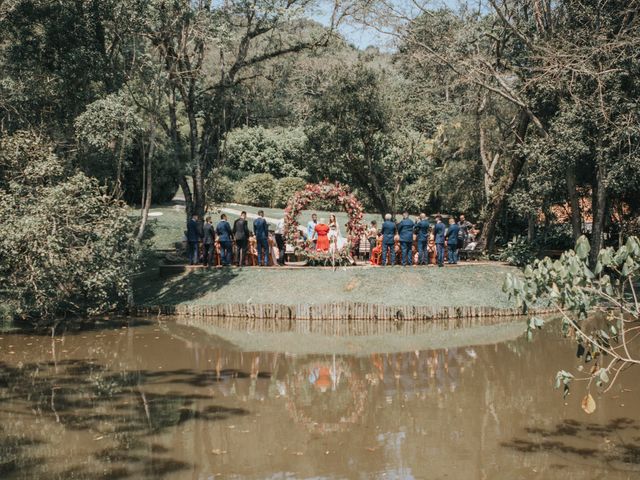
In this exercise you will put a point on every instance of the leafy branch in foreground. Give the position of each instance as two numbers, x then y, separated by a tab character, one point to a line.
599	308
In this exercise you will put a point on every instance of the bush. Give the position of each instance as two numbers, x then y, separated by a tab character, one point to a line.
66	248
280	152
286	188
220	188
258	190
558	236
519	252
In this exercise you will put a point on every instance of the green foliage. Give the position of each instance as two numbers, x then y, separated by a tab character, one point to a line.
258	190
518	252
286	188
577	291
66	248
220	188
107	123
280	152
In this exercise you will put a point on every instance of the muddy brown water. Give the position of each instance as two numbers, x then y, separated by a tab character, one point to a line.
165	400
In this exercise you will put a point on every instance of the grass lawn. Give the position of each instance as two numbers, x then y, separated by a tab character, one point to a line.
463	285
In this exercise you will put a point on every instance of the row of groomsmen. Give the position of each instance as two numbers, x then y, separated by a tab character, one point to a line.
227	236
455	236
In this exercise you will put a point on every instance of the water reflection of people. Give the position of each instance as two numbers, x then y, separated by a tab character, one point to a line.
397	376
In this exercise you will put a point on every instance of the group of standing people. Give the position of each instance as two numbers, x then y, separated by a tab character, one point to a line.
325	236
410	240
455	235
221	240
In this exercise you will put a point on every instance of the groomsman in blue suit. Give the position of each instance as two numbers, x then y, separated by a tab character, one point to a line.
439	232
452	240
405	231
261	231
422	230
388	231
223	231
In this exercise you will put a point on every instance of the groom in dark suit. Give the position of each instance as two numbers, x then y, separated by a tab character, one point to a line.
261	231
193	237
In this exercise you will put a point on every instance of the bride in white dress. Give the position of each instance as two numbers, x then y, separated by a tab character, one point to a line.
336	241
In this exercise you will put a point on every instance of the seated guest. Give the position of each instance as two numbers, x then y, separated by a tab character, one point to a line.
218	255
223	230
252	252
397	249
431	249
376	252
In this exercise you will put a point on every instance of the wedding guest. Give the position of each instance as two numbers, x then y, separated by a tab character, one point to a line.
422	231
282	247
452	240
241	236
376	252
465	227
223	231
322	236
312	236
209	242
333	224
405	232
439	231
253	250
372	234
193	237
218	255
388	233
261	231
432	248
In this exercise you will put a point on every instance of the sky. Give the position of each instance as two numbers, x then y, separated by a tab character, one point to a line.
362	36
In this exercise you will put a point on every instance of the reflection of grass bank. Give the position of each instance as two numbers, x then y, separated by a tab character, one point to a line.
465	285
305	343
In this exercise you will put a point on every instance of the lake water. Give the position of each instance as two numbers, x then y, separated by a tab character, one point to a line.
169	400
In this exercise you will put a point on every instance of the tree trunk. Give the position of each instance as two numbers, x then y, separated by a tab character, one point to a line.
574	201
199	204
188	198
599	209
147	188
531	230
504	188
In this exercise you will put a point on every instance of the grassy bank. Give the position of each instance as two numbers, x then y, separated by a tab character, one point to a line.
464	285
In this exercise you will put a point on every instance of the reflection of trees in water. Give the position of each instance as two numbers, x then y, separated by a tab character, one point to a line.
113	407
574	441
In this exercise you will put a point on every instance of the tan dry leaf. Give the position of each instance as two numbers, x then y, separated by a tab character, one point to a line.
588	404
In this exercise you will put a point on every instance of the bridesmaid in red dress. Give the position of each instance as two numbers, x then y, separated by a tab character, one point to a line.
322	229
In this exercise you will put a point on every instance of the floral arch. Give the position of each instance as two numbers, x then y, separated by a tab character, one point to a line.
335	192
